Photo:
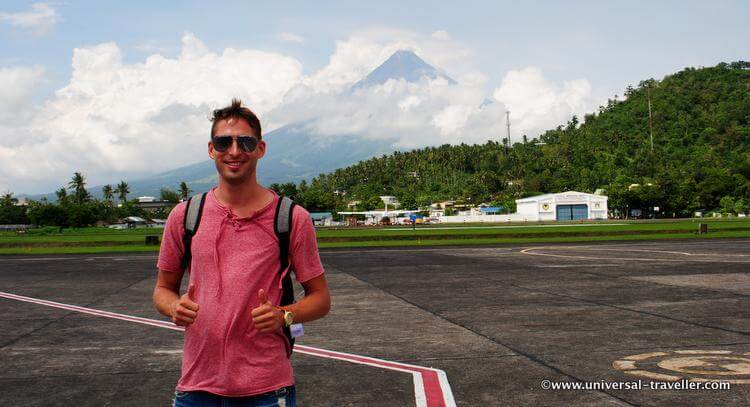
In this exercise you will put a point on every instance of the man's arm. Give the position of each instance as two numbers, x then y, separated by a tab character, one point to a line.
167	300
315	305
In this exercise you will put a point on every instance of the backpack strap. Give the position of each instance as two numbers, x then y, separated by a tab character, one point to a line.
283	229
191	222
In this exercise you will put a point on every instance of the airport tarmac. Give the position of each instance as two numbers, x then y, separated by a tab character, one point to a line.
474	326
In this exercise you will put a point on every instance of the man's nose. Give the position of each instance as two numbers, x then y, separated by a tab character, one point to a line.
234	148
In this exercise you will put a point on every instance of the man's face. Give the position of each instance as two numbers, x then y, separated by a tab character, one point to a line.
235	165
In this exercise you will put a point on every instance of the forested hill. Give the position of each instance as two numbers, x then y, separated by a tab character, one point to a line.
700	158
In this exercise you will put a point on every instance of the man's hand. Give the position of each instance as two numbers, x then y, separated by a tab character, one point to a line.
266	317
184	310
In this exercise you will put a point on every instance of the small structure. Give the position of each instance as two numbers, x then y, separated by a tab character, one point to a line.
135	221
322	218
568	205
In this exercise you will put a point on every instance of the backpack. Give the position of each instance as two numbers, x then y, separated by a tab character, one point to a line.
282	227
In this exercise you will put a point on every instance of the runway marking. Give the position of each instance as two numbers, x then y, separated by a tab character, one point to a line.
431	386
502	227
154	257
692	364
532	251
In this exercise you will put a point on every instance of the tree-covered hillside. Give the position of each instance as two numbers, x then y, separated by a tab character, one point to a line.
700	119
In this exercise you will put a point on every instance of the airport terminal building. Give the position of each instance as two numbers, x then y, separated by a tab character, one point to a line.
562	206
569	205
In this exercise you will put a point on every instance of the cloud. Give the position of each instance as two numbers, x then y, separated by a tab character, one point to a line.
291	37
536	104
40	20
115	119
441	35
119	120
16	84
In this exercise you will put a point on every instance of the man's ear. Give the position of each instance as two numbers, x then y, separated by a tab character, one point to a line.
211	150
261	149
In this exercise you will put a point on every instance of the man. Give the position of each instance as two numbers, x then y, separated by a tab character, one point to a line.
235	352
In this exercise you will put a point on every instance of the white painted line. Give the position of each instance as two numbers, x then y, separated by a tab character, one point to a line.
533	251
501	227
431	387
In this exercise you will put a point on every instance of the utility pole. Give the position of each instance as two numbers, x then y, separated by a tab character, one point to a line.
650	121
507	122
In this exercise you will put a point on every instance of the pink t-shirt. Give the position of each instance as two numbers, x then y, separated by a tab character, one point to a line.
233	258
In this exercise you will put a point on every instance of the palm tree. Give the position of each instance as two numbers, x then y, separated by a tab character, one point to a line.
184	191
122	191
78	185
108	194
62	195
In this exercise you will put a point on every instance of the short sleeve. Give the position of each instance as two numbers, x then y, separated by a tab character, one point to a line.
172	248
304	247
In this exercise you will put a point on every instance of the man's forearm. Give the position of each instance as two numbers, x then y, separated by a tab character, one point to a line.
163	300
313	306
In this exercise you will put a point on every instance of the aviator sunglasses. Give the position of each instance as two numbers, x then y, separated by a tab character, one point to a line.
246	143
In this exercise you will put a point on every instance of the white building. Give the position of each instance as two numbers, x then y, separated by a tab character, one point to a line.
569	205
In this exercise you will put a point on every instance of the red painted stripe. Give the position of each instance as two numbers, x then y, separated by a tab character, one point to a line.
434	392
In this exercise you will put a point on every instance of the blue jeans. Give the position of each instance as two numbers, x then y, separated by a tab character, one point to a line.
283	397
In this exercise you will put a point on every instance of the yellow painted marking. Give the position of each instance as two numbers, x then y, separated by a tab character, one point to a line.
708	365
704	352
643	356
624	364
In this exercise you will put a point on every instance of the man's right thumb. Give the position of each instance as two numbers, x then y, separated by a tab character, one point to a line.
191	291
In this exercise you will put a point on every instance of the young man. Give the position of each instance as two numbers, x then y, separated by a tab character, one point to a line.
235	352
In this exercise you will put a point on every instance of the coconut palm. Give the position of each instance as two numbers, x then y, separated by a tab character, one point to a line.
108	193
122	191
78	185
62	195
184	190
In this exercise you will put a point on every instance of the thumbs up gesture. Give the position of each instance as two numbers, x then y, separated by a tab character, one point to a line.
266	317
184	310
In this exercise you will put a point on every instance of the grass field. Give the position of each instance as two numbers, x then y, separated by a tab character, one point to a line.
104	240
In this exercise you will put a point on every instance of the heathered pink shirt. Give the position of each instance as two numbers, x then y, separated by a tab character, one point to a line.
232	259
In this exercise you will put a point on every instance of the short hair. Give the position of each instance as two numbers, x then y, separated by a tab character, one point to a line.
236	110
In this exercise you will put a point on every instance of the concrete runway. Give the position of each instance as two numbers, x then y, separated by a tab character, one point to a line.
497	320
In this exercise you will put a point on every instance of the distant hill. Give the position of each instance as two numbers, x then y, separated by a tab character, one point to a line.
700	160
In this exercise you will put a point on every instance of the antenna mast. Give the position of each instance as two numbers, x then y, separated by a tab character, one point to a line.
650	121
507	121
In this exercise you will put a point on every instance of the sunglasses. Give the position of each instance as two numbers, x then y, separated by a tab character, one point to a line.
247	144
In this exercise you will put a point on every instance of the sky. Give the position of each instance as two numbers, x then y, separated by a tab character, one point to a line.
121	90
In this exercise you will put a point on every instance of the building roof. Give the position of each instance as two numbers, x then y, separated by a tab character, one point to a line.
545	196
320	215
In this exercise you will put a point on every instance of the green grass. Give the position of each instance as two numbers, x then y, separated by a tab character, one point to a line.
103	240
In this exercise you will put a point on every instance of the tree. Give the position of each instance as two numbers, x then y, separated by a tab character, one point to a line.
10	213
108	194
62	196
169	195
184	191
122	191
78	185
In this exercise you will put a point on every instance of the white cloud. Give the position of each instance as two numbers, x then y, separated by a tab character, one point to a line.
40	20
115	119
16	84
291	37
441	35
364	50
536	104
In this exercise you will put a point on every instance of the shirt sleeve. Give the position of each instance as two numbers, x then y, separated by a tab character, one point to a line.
304	246
172	248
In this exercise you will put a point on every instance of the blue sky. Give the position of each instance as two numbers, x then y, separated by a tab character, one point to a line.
532	57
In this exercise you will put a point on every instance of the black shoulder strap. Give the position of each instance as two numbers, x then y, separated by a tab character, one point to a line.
191	222
282	226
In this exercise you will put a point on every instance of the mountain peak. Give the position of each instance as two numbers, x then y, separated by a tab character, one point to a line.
403	64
